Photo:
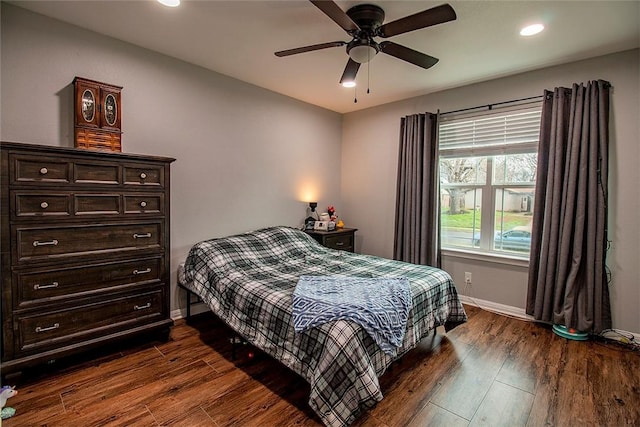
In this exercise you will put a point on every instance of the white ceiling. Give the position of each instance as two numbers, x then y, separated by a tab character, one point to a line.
238	38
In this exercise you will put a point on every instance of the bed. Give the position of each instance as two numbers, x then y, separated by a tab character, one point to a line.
248	281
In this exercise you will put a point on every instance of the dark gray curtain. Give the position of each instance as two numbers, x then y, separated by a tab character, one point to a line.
567	272
417	229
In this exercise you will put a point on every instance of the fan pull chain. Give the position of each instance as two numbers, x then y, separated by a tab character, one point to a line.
355	94
368	67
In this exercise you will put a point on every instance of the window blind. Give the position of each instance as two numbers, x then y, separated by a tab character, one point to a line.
490	134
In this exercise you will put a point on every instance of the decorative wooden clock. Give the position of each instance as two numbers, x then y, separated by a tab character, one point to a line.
97	115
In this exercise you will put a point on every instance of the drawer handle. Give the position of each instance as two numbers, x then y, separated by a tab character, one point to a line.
145	271
143	175
43	171
47	286
143	204
142	307
53	242
141	236
339	243
50	328
44	205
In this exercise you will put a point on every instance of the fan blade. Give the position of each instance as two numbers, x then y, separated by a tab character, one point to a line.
426	18
338	15
413	56
350	71
309	48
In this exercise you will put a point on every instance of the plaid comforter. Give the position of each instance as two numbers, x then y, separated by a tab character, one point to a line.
248	281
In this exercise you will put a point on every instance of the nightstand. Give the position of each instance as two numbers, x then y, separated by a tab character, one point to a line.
340	238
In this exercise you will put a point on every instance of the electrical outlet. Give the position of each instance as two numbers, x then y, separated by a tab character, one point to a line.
467	277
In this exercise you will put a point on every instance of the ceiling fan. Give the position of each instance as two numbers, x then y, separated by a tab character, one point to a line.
363	23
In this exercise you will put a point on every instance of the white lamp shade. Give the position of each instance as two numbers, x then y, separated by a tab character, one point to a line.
362	54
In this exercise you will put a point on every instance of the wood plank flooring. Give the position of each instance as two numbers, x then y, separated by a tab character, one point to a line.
492	371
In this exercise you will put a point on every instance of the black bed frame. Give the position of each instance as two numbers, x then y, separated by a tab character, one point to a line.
235	341
190	301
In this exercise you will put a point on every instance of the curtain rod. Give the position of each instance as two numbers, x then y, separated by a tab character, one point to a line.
490	106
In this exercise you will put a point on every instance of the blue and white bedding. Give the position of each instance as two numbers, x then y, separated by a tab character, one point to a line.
248	281
380	305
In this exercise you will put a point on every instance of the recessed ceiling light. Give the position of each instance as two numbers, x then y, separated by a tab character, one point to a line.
170	3
530	30
349	84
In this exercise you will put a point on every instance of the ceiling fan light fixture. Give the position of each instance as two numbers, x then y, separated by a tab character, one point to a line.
170	3
350	83
362	51
531	30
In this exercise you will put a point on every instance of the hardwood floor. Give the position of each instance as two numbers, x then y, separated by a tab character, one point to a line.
493	370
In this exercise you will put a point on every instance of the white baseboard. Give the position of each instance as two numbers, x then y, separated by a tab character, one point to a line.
520	312
495	307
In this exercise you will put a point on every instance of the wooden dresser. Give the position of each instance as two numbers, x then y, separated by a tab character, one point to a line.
84	250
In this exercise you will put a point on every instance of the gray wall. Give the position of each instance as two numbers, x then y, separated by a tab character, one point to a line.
245	156
369	167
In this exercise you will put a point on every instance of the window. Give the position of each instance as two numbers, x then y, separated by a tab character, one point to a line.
487	180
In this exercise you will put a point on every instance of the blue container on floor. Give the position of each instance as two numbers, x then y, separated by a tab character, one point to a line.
570	334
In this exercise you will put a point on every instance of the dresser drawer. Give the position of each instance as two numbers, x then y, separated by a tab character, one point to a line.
35	244
88	321
144	204
28	205
35	169
144	175
97	204
48	285
343	242
100	173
